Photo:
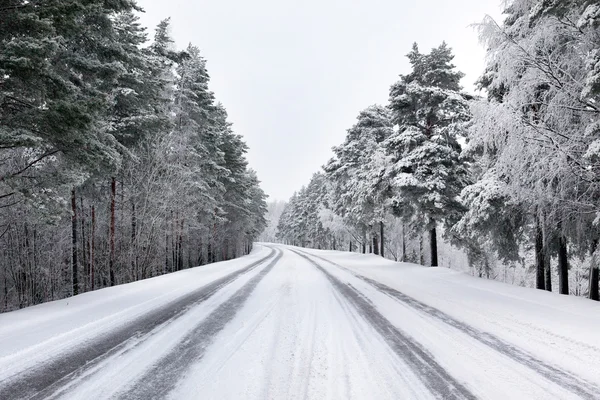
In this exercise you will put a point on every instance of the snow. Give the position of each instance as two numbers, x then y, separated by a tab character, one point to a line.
559	330
312	324
36	334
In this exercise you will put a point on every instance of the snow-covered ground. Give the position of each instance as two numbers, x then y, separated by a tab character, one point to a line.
291	323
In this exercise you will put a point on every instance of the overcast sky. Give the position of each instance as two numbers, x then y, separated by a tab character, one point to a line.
293	75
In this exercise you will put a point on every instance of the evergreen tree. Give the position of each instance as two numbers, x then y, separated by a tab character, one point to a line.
137	171
427	173
358	188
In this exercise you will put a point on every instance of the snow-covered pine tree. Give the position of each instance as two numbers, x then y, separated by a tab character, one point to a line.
357	189
427	173
169	183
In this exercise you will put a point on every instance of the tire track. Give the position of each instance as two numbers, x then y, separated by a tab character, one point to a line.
432	374
46	376
157	382
569	381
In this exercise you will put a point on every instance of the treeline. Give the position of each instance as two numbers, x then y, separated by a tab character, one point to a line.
116	161
513	177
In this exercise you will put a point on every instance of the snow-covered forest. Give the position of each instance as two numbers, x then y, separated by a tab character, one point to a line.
117	163
511	177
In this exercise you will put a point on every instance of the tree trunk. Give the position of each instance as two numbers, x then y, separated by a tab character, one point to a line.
74	242
173	243
547	263
209	254
166	267
180	245
122	224
563	266
548	270
83	248
111	259
421	250
364	247
403	245
375	245
93	247
594	290
134	268
333	243
433	246
539	255
350	246
381	238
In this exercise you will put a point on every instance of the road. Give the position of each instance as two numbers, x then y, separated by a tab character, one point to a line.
291	323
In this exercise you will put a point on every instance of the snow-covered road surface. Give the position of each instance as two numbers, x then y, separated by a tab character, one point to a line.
291	323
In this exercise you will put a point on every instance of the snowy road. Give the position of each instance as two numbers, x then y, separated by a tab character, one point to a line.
290	323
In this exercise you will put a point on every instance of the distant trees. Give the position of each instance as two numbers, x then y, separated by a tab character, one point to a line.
401	161
511	179
116	162
274	211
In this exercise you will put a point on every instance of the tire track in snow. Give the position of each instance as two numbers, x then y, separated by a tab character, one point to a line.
157	382
568	381
47	376
432	374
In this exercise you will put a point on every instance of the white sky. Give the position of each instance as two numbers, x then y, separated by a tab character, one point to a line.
293	75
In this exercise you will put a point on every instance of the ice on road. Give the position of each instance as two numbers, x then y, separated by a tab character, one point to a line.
292	323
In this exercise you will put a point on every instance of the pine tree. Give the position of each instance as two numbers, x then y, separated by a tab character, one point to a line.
358	191
427	173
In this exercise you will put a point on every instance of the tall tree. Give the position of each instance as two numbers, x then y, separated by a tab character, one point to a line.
427	173
536	132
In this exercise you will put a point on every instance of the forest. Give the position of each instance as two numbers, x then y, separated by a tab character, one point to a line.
117	163
510	176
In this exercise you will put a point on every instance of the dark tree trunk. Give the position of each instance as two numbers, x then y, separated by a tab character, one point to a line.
375	245
173	244
350	247
421	250
364	248
84	253
381	238
594	292
403	245
93	247
539	256
86	268
122	224
180	245
548	270
370	248
433	246
74	242
166	267
134	268
547	263
333	243
563	266
111	259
